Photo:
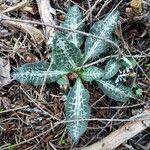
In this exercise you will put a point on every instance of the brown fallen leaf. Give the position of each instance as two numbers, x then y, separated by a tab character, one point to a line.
46	11
136	6
5	102
36	35
4	72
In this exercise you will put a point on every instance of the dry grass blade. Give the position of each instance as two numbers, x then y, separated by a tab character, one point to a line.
46	12
123	134
16	7
4	72
36	35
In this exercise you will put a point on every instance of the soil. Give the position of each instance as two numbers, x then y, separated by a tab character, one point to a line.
29	117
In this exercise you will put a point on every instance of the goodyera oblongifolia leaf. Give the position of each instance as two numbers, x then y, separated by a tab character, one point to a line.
65	54
74	21
77	108
36	73
116	91
92	73
111	69
104	29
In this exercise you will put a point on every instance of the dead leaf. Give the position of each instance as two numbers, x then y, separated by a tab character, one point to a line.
136	6
36	35
5	102
4	72
46	11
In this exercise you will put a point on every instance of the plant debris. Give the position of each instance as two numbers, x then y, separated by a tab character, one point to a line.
33	117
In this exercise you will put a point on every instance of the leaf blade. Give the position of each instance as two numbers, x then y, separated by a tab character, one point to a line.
73	20
77	108
118	91
65	54
111	69
103	28
92	73
36	73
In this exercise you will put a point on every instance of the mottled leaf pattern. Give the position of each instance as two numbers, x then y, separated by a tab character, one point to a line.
63	81
128	62
66	55
111	69
116	91
92	73
103	28
73	20
77	108
67	58
36	73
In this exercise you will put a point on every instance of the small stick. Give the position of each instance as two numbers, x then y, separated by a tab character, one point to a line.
45	11
126	132
62	28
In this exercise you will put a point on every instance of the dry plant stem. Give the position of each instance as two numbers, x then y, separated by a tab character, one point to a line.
45	11
36	34
2	18
28	140
34	101
14	109
105	4
126	132
16	7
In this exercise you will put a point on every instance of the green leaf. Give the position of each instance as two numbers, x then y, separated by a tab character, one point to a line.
111	69
104	29
12	147
147	65
35	73
63	81
91	73
139	92
116	91
127	62
66	55
73	20
77	108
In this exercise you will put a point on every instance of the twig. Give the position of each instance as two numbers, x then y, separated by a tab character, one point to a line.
36	34
62	28
45	11
14	109
16	7
112	56
26	141
122	107
123	134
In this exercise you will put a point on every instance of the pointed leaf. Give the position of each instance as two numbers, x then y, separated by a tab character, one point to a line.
111	69
36	73
73	20
116	91
127	62
92	73
66	55
103	28
63	81
77	108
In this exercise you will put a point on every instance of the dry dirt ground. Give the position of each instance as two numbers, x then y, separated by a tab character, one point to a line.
31	118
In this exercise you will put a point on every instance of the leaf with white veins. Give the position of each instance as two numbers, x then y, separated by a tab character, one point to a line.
73	20
104	29
66	55
36	73
116	91
77	108
111	69
92	73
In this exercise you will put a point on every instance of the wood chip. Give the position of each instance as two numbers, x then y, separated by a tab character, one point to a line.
4	72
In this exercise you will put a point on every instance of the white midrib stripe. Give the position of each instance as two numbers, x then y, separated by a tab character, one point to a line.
78	103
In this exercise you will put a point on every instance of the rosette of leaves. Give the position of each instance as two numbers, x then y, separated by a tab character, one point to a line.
68	59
